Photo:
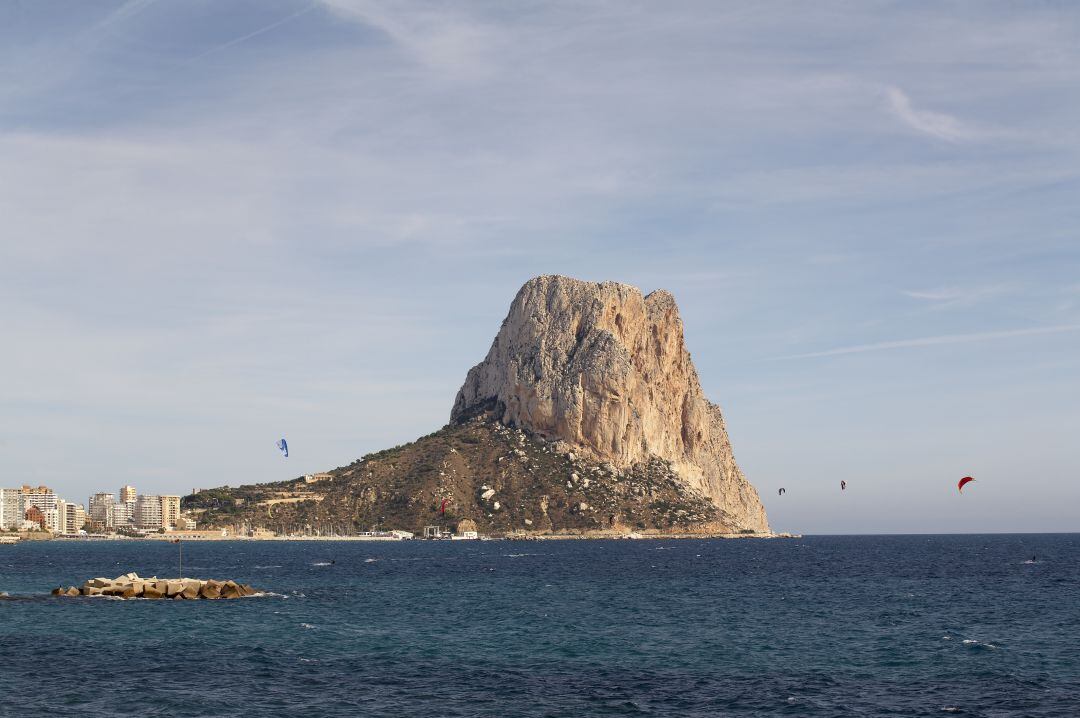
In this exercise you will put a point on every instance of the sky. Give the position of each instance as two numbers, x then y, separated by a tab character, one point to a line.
224	222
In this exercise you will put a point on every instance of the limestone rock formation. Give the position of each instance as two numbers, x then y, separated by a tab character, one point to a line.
606	371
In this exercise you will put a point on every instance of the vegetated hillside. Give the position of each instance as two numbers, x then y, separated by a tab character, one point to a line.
507	480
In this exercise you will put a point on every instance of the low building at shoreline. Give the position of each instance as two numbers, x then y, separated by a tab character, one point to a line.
200	535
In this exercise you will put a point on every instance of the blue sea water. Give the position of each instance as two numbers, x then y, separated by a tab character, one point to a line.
819	626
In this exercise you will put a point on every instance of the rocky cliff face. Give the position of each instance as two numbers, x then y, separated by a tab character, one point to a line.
605	371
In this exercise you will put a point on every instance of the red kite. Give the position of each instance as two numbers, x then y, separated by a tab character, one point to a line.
965	480
442	509
843	485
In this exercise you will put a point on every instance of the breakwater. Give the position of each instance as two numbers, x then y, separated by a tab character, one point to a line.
130	585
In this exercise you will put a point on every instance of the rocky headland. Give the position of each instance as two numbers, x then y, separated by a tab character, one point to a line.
586	417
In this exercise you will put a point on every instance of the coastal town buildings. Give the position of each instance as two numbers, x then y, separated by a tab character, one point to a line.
31	510
107	513
39	508
46	502
133	511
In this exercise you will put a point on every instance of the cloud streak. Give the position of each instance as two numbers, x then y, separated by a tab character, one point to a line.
934	341
945	297
251	35
936	124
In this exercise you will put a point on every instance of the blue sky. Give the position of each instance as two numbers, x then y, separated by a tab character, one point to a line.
224	222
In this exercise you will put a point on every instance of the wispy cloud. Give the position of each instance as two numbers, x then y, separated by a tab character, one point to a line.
937	124
934	341
127	10
936	295
956	296
438	38
266	28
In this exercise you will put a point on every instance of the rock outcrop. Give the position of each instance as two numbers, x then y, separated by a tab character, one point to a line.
585	419
603	371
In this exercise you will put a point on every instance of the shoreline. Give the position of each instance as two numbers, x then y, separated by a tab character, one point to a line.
511	537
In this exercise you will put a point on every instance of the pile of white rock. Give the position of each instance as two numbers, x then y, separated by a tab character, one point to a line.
131	586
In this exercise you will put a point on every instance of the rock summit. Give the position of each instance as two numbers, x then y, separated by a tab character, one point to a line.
604	369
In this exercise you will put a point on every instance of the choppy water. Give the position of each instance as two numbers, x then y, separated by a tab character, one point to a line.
822	626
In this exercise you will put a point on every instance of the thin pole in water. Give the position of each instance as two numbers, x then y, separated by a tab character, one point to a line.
180	547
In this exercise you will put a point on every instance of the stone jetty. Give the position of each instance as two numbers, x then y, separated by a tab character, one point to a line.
130	585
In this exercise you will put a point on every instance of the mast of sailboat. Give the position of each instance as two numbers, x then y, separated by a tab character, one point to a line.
180	549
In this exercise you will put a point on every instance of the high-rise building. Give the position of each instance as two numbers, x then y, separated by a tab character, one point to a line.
101	510
123	513
74	518
44	500
61	522
170	511
127	493
148	512
11	511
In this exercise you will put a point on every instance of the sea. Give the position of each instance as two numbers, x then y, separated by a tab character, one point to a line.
971	625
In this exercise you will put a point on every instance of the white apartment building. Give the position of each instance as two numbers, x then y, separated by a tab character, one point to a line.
11	511
101	509
148	512
75	517
61	518
124	513
170	511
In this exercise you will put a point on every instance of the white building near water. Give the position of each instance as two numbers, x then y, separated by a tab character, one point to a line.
11	511
74	518
46	501
148	512
123	513
101	509
170	511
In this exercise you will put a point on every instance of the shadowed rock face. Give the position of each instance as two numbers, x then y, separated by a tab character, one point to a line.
606	370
